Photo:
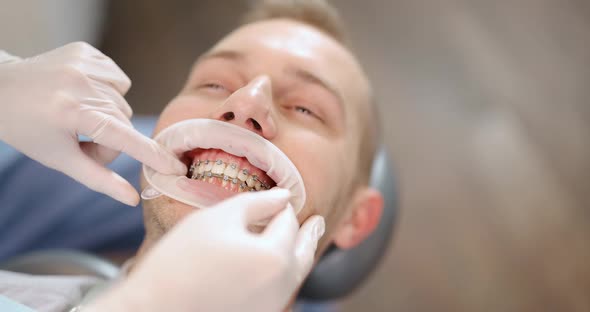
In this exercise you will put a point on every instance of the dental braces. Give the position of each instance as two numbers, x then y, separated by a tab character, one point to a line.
249	183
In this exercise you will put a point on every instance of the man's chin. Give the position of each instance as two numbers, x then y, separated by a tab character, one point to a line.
160	215
165	212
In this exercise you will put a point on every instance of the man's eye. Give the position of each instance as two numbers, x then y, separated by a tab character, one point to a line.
304	110
213	86
307	112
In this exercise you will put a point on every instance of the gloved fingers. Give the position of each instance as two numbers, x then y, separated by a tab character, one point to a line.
306	244
250	207
78	48
100	55
106	71
282	229
111	94
98	178
111	75
92	63
90	107
111	132
260	206
101	154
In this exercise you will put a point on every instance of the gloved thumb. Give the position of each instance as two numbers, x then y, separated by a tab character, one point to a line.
306	244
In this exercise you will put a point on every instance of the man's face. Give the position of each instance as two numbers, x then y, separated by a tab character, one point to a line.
291	84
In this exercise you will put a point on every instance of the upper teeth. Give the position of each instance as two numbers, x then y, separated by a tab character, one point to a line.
218	169
243	175
231	171
208	165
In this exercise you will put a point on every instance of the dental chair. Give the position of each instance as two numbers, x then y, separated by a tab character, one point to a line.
337	273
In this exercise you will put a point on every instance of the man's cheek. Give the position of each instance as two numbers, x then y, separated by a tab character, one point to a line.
183	108
322	178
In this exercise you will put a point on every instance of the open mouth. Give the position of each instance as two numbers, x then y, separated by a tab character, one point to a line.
223	160
230	172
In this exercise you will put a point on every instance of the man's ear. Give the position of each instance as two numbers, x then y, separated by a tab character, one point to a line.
367	206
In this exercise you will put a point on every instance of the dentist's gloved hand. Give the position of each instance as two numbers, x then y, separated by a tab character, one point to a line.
50	99
211	262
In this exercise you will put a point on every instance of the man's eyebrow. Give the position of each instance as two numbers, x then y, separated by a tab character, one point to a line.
223	54
314	79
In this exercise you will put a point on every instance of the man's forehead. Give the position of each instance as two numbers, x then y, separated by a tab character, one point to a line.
282	35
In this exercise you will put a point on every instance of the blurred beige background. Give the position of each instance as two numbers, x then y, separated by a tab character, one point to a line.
486	112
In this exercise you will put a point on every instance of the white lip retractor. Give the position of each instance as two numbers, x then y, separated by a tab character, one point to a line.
209	133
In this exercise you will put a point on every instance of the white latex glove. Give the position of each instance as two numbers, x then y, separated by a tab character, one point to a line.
50	99
211	262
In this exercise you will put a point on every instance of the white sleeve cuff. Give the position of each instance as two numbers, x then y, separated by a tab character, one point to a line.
7	58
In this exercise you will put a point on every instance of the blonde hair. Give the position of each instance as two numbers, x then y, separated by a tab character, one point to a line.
324	17
317	13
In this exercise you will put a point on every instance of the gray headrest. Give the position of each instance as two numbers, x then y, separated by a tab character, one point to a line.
339	272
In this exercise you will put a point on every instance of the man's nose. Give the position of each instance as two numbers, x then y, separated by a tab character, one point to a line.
250	107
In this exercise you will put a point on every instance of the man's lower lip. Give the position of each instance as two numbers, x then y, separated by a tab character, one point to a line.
205	191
